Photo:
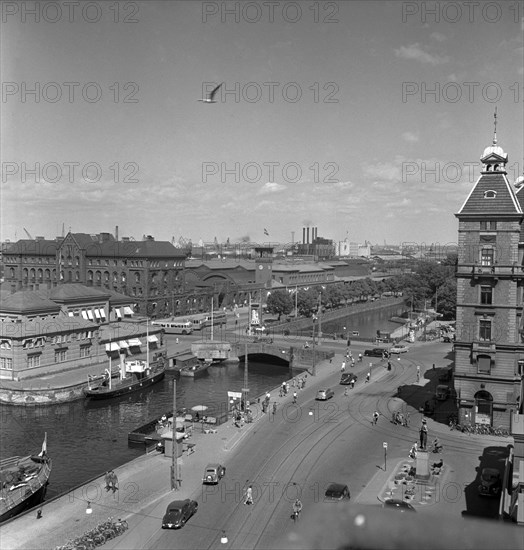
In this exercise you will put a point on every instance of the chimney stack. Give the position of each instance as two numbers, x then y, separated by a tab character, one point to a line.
303	235
116	233
307	233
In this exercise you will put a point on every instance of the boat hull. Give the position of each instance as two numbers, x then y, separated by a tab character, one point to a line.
30	495
125	389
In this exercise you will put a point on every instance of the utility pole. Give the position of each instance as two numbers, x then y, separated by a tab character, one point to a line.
319	316
174	463
314	369
245	389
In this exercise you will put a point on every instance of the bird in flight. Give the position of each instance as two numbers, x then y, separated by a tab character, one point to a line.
211	95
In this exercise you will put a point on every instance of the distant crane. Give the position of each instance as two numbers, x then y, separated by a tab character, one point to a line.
28	234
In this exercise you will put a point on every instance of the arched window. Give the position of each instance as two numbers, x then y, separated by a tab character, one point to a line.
47	274
115	277
25	273
123	277
137	277
90	276
77	275
106	276
490	194
12	272
98	276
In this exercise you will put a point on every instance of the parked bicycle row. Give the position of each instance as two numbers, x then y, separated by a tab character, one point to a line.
478	429
98	536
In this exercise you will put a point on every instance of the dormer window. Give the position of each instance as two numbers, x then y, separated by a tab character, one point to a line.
490	194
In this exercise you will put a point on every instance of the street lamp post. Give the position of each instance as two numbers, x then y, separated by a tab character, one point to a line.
174	461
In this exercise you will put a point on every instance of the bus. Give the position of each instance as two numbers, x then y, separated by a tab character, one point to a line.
198	321
219	318
174	326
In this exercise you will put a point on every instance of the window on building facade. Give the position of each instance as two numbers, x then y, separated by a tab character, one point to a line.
85	351
484	364
487	256
486	295
485	330
488	225
33	360
6	363
490	194
60	355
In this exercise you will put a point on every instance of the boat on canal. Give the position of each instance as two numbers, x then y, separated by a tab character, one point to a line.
196	370
23	482
134	375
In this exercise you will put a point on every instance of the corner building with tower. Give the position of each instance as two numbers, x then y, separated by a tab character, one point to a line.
489	347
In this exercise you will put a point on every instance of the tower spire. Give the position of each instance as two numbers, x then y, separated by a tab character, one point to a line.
495	126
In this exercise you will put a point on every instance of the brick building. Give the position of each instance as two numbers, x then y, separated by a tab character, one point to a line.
489	350
152	272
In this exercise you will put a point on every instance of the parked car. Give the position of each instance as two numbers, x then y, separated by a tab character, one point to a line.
397	504
336	492
178	512
375	352
442	392
324	395
348	378
490	482
399	348
213	473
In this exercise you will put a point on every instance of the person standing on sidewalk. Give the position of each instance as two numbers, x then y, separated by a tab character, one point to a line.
376	414
249	495
343	367
368	376
295	398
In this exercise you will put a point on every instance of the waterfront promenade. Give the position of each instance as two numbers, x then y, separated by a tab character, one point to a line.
144	484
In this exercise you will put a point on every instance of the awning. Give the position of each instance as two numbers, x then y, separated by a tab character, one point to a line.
112	346
118	314
123	344
134	342
90	315
97	313
84	315
128	310
152	338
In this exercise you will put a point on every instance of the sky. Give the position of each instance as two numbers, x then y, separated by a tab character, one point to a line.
366	120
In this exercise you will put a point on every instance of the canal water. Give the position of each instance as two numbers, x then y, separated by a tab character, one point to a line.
87	438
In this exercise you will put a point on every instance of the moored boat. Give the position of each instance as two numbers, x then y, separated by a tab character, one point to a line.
196	370
135	375
23	482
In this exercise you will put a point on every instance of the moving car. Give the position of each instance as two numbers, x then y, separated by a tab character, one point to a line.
348	378
490	482
324	395
336	492
375	352
178	512
397	504
399	348
213	473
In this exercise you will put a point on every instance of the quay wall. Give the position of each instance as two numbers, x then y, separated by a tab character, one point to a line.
42	396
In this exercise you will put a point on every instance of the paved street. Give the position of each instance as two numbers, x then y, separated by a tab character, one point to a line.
299	451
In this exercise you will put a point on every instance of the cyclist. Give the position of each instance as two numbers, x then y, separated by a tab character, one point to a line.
297	508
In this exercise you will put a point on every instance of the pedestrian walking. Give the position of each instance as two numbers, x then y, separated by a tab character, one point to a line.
368	376
352	383
268	397
418	373
376	414
346	392
274	408
176	340
293	382
343	367
280	392
114	481
107	479
294	397
249	495
360	358
423	435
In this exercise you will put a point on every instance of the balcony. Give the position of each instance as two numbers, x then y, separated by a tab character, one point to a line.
496	271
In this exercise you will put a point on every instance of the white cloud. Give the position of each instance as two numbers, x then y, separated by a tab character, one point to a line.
439	37
410	137
415	51
271	187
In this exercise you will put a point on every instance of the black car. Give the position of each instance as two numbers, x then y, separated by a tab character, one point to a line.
375	352
178	512
490	482
397	504
337	491
348	378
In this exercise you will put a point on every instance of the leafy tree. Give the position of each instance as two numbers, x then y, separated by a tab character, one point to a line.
279	302
446	299
307	302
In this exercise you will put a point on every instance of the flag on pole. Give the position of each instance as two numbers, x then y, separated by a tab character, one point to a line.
43	452
266	232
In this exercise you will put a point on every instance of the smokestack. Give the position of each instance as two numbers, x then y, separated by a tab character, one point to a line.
307	233
316	233
116	233
303	235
